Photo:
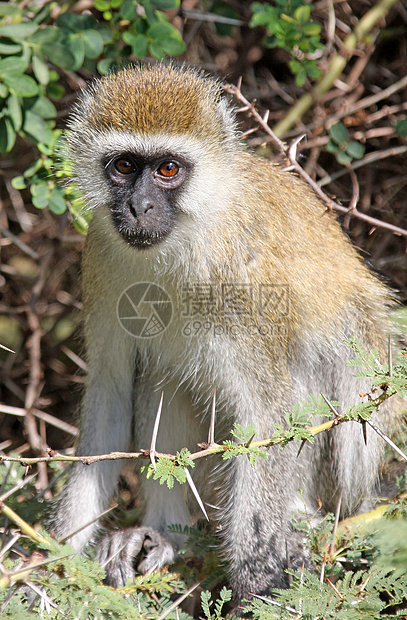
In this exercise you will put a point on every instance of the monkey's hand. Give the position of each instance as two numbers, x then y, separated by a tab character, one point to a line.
125	552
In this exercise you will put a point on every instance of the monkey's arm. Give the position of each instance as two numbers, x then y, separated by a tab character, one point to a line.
107	410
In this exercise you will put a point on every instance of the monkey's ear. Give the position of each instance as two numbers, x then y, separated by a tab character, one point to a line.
227	117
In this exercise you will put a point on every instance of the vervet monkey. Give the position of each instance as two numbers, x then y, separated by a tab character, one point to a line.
191	230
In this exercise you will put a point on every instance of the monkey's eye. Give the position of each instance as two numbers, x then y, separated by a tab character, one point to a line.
168	169
123	165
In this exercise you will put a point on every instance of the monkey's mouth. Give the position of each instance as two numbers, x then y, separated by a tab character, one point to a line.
141	238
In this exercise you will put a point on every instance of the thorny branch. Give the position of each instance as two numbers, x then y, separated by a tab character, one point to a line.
207	450
290	153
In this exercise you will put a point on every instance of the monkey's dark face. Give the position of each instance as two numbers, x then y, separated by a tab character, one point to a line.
144	195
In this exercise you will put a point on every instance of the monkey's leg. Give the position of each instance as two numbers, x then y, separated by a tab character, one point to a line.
151	546
257	521
107	414
341	465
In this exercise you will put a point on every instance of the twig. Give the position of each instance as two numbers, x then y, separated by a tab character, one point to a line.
99	516
355	197
290	153
178	601
41	415
368	159
337	65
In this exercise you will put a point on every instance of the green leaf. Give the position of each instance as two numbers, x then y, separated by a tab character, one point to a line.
21	85
355	149
102	5
19	183
13	64
36	127
41	106
75	23
401	127
173	47
105	65
301	77
165	4
56	91
332	147
77	48
41	70
311	30
40	195
161	30
7	135
15	112
9	10
156	50
313	71
18	32
93	43
3	91
139	43
59	54
128	11
57	202
9	48
302	13
343	158
339	133
49	34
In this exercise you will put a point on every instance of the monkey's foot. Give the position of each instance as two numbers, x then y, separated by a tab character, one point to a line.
125	552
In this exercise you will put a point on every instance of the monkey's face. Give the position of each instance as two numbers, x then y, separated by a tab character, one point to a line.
144	195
